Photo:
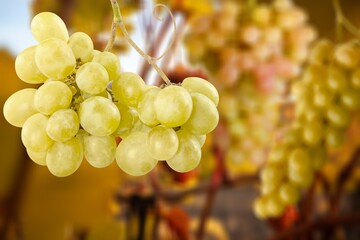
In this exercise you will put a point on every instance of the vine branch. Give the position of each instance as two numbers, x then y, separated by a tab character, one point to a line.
341	20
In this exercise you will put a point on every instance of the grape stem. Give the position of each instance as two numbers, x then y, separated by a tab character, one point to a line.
341	20
118	21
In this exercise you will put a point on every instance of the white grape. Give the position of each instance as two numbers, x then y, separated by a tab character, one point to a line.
99	151
48	25
92	78
63	125
162	142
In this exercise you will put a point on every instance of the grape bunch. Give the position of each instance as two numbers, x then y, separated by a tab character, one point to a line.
84	103
327	95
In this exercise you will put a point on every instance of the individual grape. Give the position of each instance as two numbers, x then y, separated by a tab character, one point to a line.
318	157
48	25
188	154
99	151
350	99
334	137
132	157
82	46
293	137
272	174
99	116
173	106
337	79
313	133
299	159
162	142
128	119
278	154
315	74
204	116
275	206
63	125
260	208
302	178
52	96
33	133
146	107
199	85
338	116
347	55
92	78
128	88
201	139
20	106
63	159
321	53
55	59
26	68
111	63
37	157
313	113
289	194
323	97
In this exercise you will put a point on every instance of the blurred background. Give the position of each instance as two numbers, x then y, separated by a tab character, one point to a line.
215	200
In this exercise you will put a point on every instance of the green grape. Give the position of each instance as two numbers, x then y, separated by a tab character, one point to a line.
323	97
128	119
99	116
33	133
55	59
63	125
337	79
334	137
20	106
82	46
63	159
188	154
99	151
347	55
272	174
301	177
321	52
289	194
132	157
146	107
338	116
260	208
268	187
199	85
299	159
92	78
278	154
274	205
26	68
128	88
162	143
313	133
355	78
318	157
52	96
293	137
315	74
48	25
110	61
37	157
201	139
204	116
313	113
173	106
350	99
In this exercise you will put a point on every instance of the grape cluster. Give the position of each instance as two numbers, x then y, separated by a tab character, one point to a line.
327	94
85	103
250	53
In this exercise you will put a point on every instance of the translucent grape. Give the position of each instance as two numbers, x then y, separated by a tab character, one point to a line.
337	79
301	177
48	25
272	174
334	137
260	208
37	157
82	46
321	52
274	205
55	59
338	116
278	154
63	125
63	159
323	97
128	118
173	106
350	99
204	116
99	116
201	139
52	96
92	78
132	157
188	154
347	55
20	106
162	143
33	133
299	159
128	88
199	85
146	107
26	68
111	63
289	194
99	151
313	133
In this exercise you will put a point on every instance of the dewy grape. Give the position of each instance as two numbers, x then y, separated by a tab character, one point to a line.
74	114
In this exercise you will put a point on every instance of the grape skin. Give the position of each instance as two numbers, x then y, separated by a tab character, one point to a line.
48	25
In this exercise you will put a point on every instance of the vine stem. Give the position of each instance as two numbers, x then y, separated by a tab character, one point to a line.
341	20
118	21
